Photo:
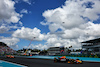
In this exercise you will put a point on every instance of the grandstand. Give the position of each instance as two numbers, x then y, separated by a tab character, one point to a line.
56	50
92	46
4	49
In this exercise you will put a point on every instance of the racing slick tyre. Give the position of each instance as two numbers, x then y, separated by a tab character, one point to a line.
55	60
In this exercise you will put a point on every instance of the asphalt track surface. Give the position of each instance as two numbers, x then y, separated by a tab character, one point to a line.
46	63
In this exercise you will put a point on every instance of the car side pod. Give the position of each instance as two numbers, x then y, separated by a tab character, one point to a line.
68	62
81	62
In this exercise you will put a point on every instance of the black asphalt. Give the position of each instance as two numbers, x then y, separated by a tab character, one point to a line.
46	63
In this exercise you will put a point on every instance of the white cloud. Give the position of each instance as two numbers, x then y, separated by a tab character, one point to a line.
27	1
10	41
55	41
29	34
24	11
20	23
16	1
53	27
93	29
74	19
39	46
73	36
3	29
8	15
72	33
73	14
7	12
92	13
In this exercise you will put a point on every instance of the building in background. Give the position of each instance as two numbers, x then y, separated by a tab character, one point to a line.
91	46
56	50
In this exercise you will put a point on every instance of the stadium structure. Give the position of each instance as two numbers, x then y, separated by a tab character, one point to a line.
4	49
91	46
56	50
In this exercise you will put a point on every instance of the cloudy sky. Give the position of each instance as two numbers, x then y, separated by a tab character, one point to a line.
48	23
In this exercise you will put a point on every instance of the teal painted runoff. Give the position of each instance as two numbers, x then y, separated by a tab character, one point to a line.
9	64
81	58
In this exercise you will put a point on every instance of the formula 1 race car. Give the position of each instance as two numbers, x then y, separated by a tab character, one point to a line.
69	61
61	59
9	56
77	61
